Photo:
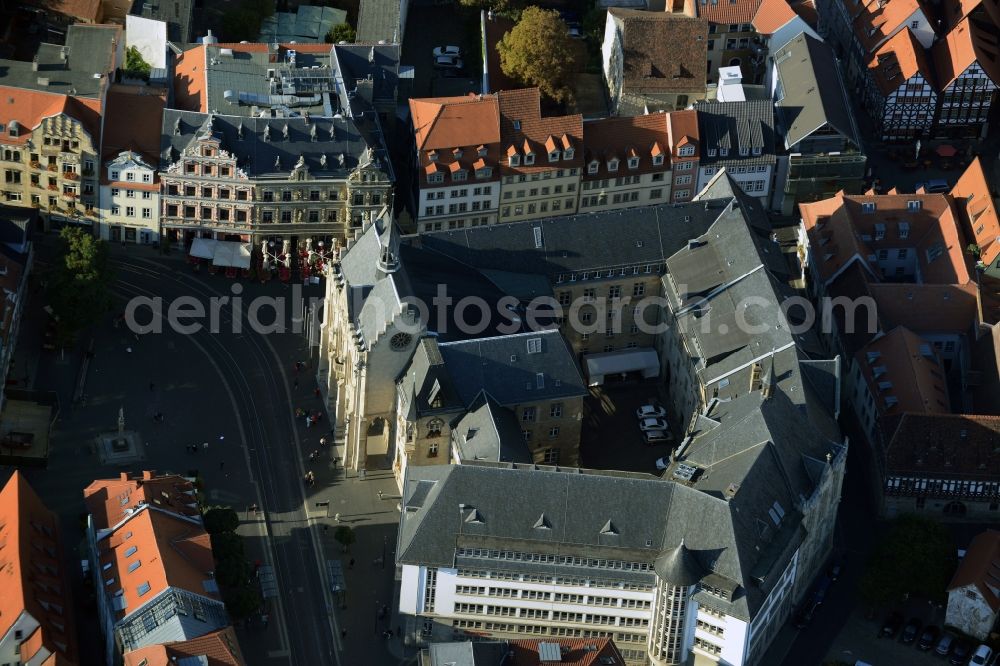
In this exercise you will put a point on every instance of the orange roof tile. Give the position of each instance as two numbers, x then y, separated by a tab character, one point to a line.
728	11
901	365
447	122
173	552
642	135
220	648
840	233
522	125
30	107
927	308
978	211
771	15
132	121
953	54
30	574
875	21
682	129
578	652
897	61
109	501
190	82
85	11
981	567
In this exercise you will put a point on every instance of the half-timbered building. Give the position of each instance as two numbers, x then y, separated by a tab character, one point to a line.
899	91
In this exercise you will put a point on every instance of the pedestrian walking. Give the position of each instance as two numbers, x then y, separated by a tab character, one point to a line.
336	461
322	441
309	421
314	418
312	456
336	518
317	393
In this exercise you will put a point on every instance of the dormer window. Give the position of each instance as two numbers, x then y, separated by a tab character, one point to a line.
633	163
484	172
514	160
568	153
757	150
554	156
723	152
460	176
593	166
744	151
529	159
482	151
432	156
657	160
868	207
685	151
435	178
457	153
612	165
712	152
517	125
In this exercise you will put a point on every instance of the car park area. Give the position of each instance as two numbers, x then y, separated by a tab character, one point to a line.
614	435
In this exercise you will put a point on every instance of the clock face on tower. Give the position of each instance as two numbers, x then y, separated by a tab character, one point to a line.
400	341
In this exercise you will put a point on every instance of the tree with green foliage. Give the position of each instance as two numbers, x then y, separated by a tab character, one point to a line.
341	32
345	536
243	21
241	602
539	51
916	557
135	65
220	519
78	286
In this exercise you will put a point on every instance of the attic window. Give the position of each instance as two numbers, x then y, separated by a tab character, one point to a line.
131	551
434	397
432	156
517	124
633	163
534	346
593	166
879	232
514	160
913	205
868	207
712	152
539	380
612	165
143	589
904	230
657	160
529	159
756	150
568	153
482	151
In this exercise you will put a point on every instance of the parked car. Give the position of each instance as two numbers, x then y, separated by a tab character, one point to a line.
891	626
448	62
933	186
654	437
653	424
910	631
928	638
648	411
447	51
959	653
944	644
982	656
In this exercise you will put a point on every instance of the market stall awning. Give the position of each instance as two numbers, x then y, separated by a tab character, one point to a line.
229	253
203	248
602	365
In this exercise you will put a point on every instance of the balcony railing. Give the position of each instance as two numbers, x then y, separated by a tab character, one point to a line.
71	175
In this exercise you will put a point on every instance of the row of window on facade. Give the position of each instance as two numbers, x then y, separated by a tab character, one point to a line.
540	207
550	615
534	191
554	597
554	580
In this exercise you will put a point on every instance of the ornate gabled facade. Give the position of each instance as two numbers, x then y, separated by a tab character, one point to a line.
253	179
130	200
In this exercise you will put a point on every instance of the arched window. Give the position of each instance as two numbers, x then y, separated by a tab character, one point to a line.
434	427
954	509
735	62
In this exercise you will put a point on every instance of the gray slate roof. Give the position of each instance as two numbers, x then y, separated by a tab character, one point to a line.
490	431
378	63
735	126
177	14
265	148
379	21
88	51
573	243
813	92
504	367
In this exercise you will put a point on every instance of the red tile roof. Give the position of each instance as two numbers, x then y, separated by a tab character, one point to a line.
618	137
664	53
522	127
31	578
927	308
682	128
133	120
30	107
581	652
728	11
978	211
190	82
85	11
898	60
902	366
109	501
840	232
219	648
446	122
956	52
980	568
877	20
771	15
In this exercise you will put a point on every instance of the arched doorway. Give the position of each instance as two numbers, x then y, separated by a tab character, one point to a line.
954	509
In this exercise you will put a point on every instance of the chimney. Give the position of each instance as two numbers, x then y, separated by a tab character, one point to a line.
147	475
124	476
34	64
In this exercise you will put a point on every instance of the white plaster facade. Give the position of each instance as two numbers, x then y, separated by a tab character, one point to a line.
130	201
969	612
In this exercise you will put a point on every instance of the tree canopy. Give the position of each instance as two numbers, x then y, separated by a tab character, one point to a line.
78	285
135	64
917	557
539	51
341	32
221	519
